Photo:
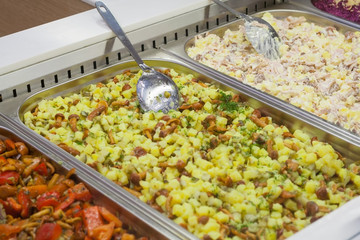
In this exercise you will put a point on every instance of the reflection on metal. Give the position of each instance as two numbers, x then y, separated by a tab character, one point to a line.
165	40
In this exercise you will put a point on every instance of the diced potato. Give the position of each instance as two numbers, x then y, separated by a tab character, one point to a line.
211	160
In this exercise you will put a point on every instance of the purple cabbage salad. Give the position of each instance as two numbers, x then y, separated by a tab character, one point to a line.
340	9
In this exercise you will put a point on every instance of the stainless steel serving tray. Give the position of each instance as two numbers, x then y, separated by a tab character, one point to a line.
179	50
14	111
251	96
101	195
282	112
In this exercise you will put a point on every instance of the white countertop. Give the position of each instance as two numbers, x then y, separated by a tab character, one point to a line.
28	47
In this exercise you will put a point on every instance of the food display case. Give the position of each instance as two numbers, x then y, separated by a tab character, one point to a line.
163	44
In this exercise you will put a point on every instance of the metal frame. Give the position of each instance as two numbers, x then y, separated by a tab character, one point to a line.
161	40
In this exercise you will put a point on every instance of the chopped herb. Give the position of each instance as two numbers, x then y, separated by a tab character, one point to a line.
79	142
194	179
227	104
108	162
189	118
268	195
241	227
204	148
224	97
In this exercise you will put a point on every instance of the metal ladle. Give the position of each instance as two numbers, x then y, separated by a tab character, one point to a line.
155	90
259	33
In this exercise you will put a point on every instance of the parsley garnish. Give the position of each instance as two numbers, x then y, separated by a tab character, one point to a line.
227	104
224	97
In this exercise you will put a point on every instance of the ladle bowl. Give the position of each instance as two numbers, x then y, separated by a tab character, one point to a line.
155	90
259	33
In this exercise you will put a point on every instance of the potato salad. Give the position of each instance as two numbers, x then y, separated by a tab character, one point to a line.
318	70
215	166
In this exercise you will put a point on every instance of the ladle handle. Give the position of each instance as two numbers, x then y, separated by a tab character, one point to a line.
236	13
115	27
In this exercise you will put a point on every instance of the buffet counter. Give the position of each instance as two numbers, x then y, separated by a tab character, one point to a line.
48	41
237	160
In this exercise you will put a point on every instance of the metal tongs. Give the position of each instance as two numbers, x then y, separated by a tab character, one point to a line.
259	33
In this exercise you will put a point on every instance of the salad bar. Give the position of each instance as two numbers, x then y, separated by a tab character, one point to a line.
258	149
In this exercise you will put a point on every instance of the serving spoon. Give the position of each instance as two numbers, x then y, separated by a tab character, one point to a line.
259	33
155	90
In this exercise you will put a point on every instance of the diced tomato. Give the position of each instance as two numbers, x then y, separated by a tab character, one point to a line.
108	216
11	207
103	232
50	198
9	177
25	202
48	231
92	218
81	192
41	169
67	201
